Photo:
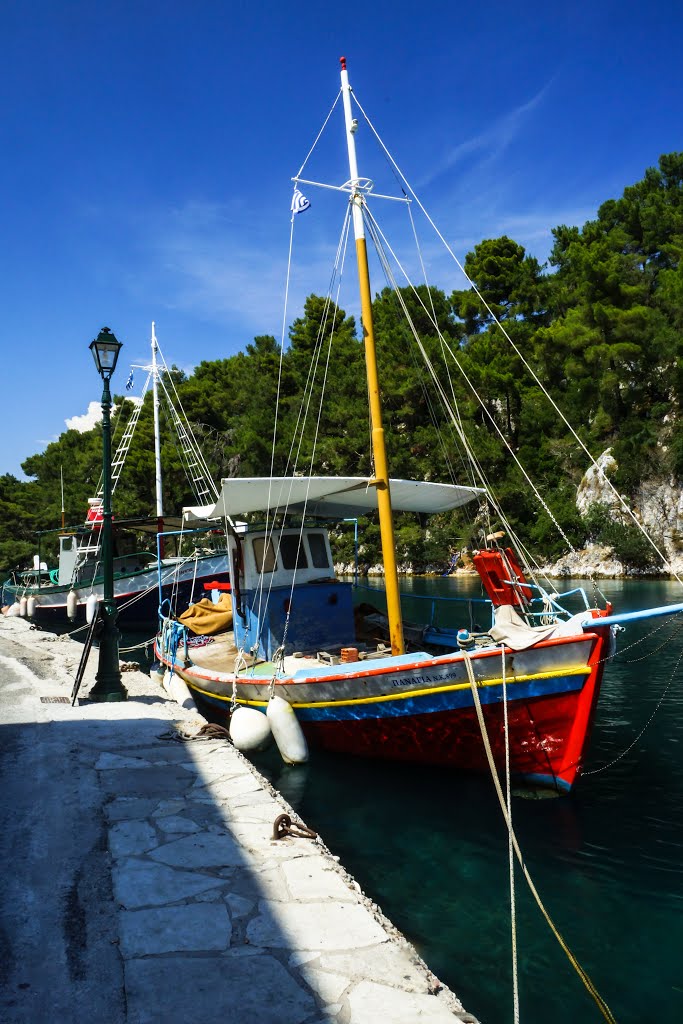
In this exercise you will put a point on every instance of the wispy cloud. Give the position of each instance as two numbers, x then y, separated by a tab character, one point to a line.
490	144
220	264
531	228
534	227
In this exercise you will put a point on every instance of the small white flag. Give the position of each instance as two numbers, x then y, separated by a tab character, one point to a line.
299	202
129	382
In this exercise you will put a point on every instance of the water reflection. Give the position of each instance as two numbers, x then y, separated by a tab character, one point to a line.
290	781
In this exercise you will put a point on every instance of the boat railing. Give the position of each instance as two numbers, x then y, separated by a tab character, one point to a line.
30	577
439	614
215	542
552	605
437	602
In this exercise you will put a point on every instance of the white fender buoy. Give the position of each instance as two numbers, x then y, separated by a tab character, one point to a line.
71	604
178	691
157	674
249	729
31	605
13	610
287	732
22	607
90	607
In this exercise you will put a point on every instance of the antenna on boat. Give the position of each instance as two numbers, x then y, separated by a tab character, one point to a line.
157	443
61	477
381	481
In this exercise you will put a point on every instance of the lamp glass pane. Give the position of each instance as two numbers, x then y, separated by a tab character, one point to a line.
107	354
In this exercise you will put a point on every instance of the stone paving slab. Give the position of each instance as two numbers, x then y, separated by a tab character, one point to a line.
250	990
216	921
178	929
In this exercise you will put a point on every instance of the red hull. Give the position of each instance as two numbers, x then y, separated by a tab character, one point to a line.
548	735
540	735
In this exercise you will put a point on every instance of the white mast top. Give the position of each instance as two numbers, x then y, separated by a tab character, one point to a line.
351	126
157	443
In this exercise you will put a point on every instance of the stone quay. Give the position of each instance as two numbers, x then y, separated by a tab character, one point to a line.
141	880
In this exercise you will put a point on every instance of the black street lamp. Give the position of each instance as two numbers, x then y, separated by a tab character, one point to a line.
108	685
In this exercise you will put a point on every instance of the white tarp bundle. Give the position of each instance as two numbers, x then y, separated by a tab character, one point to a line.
512	630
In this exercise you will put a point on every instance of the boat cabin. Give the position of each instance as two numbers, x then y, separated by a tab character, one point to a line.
80	552
68	556
285	580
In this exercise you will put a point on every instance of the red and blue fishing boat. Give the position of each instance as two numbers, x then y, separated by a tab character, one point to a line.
517	693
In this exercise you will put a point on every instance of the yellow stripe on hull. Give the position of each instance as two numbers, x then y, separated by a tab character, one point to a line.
403	694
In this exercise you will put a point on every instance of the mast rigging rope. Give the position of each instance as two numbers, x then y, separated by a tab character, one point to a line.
518	352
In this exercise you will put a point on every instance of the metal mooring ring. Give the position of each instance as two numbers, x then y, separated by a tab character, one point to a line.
283	827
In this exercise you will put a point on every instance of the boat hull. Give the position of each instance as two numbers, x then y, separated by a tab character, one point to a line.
136	595
425	711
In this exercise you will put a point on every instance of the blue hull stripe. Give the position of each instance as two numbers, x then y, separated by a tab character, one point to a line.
426	703
429	704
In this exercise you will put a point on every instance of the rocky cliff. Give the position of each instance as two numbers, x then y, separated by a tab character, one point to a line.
658	508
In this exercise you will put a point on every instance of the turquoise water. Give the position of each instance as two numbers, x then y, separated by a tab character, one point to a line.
430	847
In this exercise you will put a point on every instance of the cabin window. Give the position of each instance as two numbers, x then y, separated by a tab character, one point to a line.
292	552
124	544
264	557
318	548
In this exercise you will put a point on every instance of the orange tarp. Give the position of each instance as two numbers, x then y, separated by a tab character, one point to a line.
206	618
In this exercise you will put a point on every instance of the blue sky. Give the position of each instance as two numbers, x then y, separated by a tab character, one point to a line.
148	149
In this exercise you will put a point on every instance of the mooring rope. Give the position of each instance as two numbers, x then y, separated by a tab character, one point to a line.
137	647
590	987
511	854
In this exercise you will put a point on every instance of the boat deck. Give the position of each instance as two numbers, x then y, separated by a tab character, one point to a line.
221	654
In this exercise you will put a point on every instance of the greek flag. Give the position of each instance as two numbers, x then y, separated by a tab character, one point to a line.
129	382
299	202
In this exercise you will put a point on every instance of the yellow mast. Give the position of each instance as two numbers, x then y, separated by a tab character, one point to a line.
381	481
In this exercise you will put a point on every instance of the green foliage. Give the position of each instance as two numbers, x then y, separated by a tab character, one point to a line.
616	295
17	544
625	539
602	332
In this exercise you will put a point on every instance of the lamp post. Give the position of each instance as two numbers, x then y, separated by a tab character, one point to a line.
108	685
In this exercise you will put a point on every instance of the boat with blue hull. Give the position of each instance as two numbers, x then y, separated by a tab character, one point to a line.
143	569
140	578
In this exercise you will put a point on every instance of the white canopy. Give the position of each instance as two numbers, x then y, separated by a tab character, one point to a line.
335	497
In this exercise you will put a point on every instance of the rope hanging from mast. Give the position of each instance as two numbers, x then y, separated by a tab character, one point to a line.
312	390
